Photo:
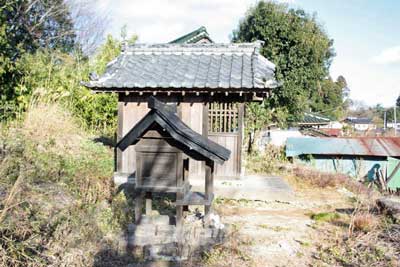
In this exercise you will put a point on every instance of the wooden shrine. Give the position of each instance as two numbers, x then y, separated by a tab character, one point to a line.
164	145
180	111
208	84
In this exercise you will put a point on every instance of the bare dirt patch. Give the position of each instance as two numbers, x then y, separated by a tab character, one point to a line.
278	233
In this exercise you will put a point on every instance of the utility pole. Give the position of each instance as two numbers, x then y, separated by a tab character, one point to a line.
384	121
395	121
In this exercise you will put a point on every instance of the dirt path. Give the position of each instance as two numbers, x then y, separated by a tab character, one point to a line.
280	233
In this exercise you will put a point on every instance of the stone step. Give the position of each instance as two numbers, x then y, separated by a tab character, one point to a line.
141	240
156	219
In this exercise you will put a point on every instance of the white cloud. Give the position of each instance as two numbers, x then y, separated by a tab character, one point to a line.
368	82
158	21
388	56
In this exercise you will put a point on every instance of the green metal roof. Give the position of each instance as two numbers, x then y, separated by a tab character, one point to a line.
351	146
393	173
193	37
314	119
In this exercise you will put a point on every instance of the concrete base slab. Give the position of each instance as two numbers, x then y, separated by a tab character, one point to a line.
251	187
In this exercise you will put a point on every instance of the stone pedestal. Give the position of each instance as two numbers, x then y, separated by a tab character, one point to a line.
155	238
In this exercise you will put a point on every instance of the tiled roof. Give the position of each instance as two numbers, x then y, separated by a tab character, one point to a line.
183	66
312	118
193	37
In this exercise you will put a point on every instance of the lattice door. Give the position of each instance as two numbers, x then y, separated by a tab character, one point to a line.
223	118
224	128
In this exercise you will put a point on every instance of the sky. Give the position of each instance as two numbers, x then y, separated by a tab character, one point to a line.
365	32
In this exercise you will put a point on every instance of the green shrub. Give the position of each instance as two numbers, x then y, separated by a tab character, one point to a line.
266	162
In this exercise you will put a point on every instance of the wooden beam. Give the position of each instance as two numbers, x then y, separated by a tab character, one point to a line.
209	187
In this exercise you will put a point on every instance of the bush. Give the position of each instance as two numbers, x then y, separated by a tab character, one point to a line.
57	206
51	76
267	162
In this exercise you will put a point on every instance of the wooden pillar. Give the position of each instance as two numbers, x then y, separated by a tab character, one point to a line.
179	217
186	178
179	196
205	120
209	186
149	196
120	133
204	131
138	206
240	138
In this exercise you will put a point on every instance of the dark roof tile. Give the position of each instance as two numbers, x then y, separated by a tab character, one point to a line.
212	66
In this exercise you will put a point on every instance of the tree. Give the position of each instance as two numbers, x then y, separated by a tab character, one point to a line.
55	76
332	99
25	27
398	102
89	24
302	52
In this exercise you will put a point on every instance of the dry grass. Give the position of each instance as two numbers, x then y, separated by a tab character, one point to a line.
55	192
233	252
364	222
377	247
364	238
52	127
305	177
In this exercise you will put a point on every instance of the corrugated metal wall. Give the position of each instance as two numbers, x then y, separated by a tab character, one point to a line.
355	167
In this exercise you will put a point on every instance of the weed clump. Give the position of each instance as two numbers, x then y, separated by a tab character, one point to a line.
57	206
267	162
325	216
364	222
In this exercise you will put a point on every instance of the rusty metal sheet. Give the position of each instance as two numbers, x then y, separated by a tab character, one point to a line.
360	146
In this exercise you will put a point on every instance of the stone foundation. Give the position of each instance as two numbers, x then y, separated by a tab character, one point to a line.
156	238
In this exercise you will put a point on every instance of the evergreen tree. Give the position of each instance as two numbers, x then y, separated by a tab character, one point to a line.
302	52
